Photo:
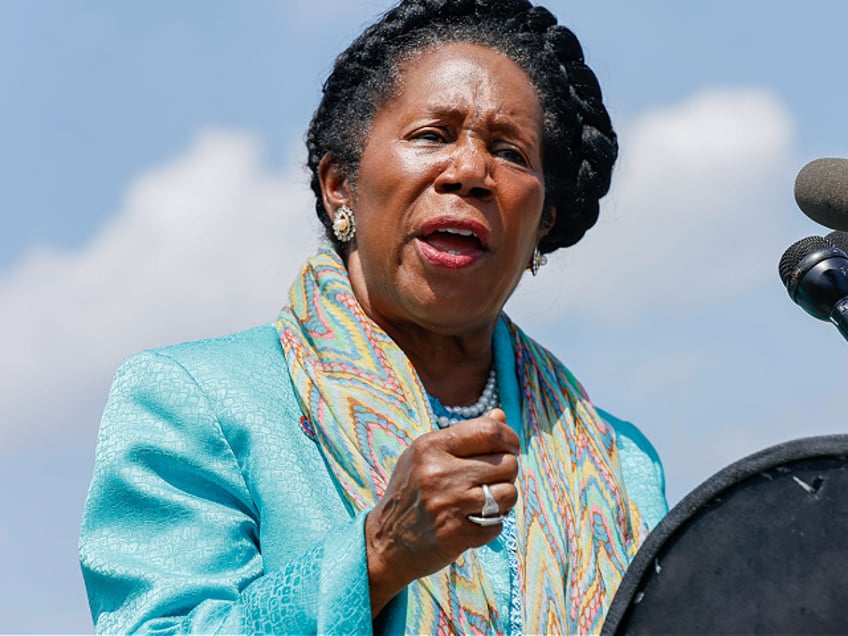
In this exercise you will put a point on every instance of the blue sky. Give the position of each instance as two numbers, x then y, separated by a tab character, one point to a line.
151	191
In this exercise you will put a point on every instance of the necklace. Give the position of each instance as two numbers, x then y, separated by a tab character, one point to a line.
485	403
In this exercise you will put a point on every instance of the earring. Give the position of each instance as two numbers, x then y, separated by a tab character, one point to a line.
537	261
344	225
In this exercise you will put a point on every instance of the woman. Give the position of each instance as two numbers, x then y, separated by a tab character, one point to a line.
309	476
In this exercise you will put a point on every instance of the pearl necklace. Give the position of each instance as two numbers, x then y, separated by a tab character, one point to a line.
487	401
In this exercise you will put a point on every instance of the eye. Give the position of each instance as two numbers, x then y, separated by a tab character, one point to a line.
510	154
432	135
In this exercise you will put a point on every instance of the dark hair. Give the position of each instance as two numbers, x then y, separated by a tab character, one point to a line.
579	144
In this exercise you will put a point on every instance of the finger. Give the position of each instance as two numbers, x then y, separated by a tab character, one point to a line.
497	414
490	468
498	501
504	494
481	531
458	480
480	436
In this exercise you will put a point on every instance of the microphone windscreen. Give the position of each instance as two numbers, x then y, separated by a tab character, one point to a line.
796	253
821	191
838	239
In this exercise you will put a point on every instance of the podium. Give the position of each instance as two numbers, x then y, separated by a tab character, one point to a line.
759	548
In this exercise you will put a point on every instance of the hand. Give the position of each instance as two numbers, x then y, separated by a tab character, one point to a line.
421	524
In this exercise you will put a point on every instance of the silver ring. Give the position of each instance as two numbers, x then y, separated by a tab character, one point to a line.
486	521
491	513
490	506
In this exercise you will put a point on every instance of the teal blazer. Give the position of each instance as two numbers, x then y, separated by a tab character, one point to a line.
211	509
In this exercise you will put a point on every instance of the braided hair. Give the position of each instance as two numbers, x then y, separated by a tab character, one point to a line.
579	145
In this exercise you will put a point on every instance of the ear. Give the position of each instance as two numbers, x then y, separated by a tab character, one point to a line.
546	223
336	190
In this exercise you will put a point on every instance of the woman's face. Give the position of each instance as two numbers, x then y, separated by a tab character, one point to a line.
449	194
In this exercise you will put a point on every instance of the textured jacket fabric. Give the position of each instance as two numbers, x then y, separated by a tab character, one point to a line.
211	509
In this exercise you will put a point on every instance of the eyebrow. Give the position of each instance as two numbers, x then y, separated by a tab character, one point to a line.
498	120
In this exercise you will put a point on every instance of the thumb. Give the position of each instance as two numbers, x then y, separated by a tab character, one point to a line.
497	414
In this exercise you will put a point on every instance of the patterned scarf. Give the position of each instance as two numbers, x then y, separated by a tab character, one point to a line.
576	529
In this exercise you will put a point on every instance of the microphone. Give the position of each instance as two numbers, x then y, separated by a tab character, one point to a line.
821	191
838	239
815	274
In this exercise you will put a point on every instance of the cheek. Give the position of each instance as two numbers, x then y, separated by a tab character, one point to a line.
389	184
527	212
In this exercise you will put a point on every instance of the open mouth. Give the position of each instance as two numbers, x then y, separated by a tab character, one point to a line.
453	244
454	241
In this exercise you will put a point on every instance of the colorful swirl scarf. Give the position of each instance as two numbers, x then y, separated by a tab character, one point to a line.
576	530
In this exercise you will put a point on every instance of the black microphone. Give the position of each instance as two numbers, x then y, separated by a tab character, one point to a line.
838	239
815	274
821	191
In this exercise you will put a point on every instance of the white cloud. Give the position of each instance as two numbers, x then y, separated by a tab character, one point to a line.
204	245
694	180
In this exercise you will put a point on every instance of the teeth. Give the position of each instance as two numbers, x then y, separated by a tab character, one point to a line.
451	230
454	253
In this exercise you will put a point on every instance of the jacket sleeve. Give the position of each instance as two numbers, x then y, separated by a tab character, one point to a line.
642	469
170	533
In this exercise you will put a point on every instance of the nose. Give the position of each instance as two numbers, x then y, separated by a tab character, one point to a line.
467	171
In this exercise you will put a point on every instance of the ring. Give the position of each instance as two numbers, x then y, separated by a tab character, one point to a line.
490	506
486	521
490	515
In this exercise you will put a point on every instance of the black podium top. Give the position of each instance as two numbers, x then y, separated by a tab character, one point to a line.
759	548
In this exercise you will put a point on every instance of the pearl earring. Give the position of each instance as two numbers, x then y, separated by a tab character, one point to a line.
344	225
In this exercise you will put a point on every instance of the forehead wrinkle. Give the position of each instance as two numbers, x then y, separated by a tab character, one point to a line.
456	100
459	75
501	116
466	90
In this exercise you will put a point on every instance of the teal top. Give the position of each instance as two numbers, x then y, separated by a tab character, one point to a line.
211	509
